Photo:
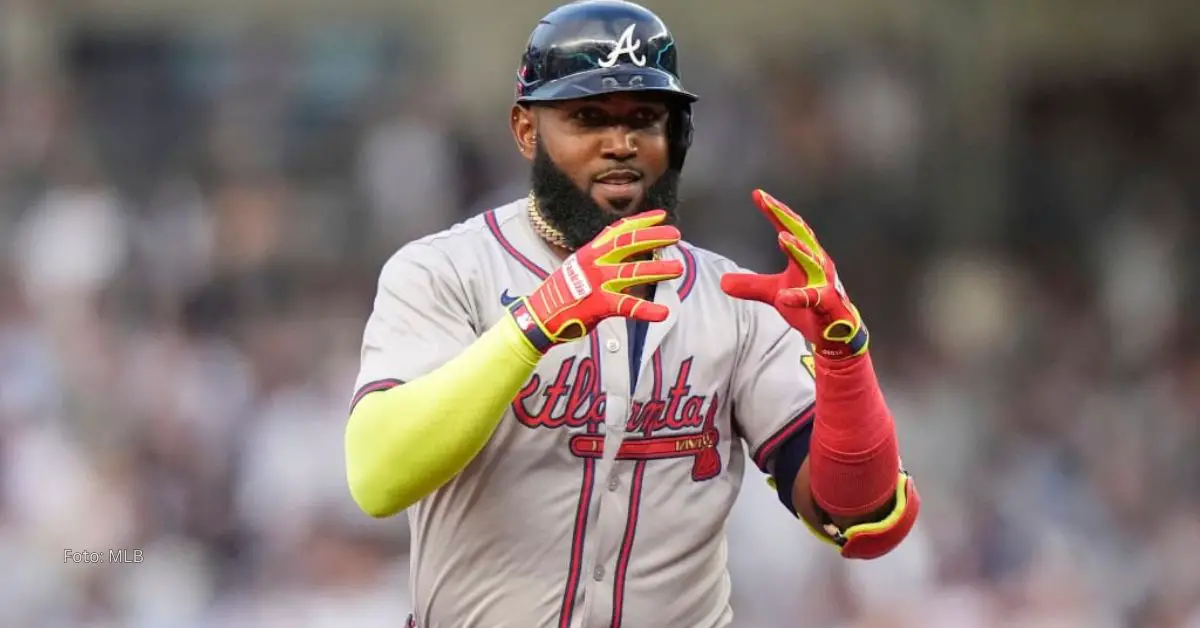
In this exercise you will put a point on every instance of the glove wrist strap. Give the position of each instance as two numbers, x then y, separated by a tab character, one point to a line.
529	326
852	348
858	344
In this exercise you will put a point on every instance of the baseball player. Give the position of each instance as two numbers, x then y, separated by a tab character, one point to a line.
562	393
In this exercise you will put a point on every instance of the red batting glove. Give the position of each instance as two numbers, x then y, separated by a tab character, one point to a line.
807	293
589	286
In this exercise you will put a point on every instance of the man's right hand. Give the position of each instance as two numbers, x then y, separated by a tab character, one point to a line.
590	285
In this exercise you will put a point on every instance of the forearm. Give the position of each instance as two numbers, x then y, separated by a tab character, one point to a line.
854	457
805	505
850	488
405	442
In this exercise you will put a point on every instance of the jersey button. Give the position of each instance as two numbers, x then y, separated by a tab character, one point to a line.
612	344
613	484
598	573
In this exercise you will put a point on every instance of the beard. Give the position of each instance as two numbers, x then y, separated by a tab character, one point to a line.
577	215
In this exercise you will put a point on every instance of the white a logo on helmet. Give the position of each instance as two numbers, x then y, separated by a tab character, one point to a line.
626	45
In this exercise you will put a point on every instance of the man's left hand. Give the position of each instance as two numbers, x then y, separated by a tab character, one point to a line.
807	293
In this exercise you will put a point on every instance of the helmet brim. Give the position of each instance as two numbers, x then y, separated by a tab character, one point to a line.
601	81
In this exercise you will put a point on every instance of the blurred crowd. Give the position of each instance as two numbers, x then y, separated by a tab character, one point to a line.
192	227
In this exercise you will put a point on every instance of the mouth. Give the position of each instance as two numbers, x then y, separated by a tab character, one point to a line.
618	184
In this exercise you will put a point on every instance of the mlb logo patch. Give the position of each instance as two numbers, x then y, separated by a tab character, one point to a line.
524	319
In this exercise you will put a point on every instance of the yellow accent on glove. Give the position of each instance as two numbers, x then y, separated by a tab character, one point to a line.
875	538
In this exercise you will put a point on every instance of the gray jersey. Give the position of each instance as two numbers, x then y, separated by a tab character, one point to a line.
600	500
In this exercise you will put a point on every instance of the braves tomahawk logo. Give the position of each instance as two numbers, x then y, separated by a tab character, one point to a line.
681	425
626	45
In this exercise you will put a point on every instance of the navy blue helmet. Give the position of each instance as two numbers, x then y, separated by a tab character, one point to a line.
594	47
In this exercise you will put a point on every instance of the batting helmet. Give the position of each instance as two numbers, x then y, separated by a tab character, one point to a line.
592	47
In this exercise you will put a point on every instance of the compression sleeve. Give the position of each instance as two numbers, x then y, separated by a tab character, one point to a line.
405	442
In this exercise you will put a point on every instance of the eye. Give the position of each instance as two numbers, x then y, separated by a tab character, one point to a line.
589	115
647	116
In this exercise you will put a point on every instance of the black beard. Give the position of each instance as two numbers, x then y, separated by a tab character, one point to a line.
577	215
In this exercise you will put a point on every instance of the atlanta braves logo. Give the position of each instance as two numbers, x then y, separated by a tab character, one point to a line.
680	426
626	45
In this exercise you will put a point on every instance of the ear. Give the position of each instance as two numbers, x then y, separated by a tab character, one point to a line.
524	130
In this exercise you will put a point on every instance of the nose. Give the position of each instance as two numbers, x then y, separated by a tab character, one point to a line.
620	144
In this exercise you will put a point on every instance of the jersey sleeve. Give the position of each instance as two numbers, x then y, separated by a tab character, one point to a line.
773	390
421	318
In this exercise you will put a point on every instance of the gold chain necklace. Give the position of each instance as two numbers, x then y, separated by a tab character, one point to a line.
543	228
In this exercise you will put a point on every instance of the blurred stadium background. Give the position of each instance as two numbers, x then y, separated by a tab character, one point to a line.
195	200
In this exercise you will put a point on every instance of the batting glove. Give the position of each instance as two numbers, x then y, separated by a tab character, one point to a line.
807	293
589	286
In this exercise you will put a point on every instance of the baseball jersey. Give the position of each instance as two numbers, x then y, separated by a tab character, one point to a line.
602	497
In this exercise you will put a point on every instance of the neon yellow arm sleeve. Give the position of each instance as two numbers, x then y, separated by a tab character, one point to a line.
405	442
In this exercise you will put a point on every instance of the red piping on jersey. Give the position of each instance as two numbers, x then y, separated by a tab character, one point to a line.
370	387
581	513
635	499
494	226
635	502
764	452
689	272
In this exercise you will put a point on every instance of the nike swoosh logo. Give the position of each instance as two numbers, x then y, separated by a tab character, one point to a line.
505	299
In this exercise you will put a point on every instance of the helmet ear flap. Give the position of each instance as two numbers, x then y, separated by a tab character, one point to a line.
679	134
